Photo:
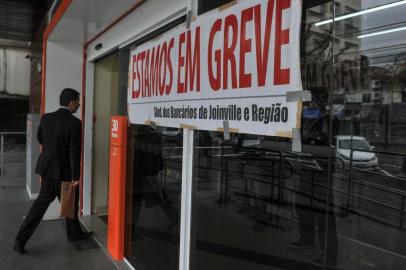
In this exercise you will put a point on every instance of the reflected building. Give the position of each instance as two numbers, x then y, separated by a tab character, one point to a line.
318	76
368	83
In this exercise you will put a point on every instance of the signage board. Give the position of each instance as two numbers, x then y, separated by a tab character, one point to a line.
232	64
117	177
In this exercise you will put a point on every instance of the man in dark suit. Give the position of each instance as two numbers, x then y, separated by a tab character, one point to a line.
59	133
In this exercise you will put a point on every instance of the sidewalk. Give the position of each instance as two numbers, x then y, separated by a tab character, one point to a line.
48	248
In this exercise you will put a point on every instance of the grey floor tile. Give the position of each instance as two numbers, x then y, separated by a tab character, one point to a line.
49	247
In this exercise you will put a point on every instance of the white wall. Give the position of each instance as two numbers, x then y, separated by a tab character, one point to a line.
63	69
64	59
15	71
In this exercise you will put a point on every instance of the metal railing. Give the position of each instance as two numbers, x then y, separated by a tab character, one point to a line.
400	193
10	141
280	159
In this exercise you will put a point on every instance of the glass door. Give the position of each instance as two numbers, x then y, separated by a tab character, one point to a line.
105	105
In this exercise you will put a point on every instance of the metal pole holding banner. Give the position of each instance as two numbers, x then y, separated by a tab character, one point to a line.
186	199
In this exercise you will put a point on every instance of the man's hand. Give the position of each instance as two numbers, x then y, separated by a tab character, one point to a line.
75	182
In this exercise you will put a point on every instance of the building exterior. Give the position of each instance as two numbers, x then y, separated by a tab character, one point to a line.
190	183
14	88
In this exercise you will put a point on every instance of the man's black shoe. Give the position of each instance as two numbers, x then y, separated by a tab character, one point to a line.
19	248
80	236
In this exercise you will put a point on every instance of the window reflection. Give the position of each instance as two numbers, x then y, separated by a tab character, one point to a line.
340	203
368	135
257	207
154	207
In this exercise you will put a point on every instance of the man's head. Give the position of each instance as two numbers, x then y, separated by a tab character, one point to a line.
70	98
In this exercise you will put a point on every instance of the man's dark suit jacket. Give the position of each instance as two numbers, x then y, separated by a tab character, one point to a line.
59	133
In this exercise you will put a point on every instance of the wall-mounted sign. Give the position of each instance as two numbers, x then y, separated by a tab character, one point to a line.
312	113
235	64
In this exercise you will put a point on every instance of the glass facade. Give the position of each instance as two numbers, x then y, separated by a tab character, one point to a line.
256	204
367	103
153	198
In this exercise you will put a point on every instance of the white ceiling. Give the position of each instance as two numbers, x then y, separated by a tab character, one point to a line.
86	18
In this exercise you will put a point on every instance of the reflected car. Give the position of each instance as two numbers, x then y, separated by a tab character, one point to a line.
360	159
172	132
240	141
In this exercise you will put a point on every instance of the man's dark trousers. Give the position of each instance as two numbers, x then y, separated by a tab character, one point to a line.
50	189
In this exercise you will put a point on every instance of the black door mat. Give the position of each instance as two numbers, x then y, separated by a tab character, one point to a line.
87	244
